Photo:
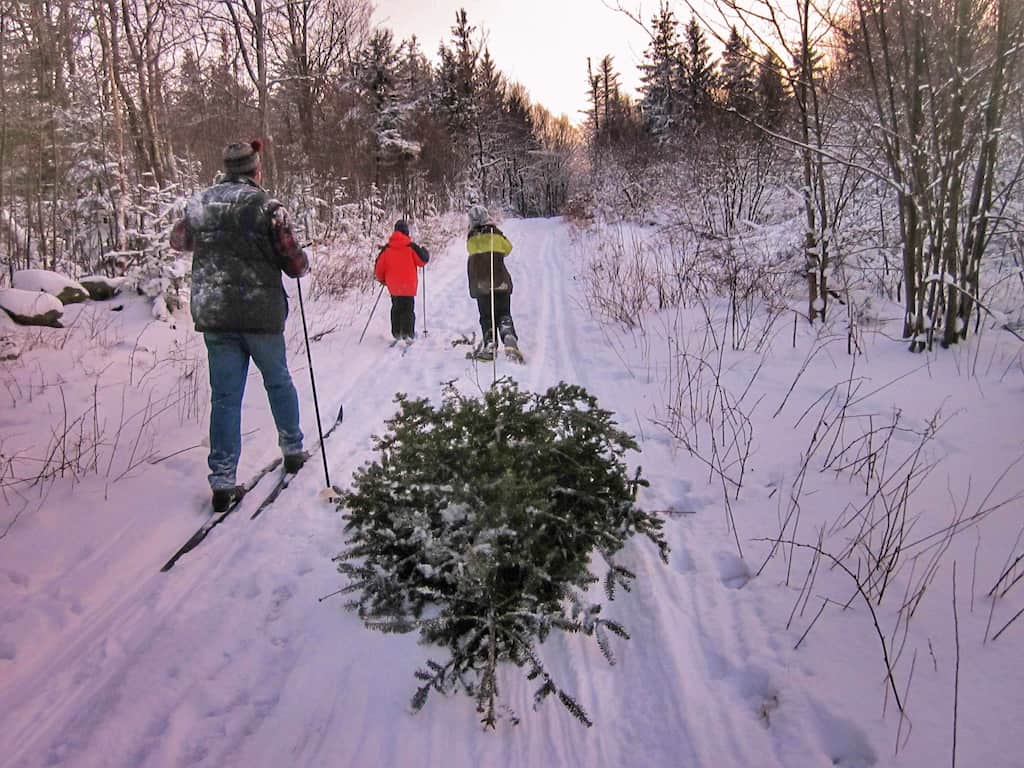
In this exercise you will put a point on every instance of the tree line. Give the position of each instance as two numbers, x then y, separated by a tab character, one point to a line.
911	106
112	110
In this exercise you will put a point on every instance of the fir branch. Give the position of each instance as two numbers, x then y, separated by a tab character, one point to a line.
484	514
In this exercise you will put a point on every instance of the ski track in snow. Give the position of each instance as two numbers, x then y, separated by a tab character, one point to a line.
230	660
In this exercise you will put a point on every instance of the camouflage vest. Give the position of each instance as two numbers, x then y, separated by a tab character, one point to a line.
236	277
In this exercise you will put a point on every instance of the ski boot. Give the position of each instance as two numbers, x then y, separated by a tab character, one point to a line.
225	498
512	351
484	350
293	462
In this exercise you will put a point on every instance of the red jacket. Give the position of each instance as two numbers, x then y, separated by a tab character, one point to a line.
397	262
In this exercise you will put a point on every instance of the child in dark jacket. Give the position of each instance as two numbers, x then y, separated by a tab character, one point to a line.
488	247
396	268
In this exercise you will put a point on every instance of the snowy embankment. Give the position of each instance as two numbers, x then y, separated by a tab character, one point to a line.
231	660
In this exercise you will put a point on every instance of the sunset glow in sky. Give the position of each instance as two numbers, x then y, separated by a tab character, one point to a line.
543	44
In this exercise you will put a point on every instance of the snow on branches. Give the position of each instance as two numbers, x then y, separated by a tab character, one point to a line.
476	528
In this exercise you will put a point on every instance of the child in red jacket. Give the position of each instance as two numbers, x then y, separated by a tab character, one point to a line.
396	268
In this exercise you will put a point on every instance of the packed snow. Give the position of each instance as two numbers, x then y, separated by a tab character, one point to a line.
749	648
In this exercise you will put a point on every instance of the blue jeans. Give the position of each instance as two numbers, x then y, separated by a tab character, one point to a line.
228	355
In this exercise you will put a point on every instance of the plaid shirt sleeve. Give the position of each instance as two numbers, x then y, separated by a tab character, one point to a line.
181	236
293	259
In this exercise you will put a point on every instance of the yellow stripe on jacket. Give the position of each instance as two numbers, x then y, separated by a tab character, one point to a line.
488	242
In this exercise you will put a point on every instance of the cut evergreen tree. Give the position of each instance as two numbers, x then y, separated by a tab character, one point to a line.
476	528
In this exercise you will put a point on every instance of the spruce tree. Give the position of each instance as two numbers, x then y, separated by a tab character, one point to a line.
378	69
770	91
614	124
737	74
698	71
457	77
476	528
660	82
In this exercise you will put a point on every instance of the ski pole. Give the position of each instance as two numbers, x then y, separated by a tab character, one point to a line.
374	309
424	292
312	379
494	322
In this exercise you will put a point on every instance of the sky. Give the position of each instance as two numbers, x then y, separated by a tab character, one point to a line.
543	44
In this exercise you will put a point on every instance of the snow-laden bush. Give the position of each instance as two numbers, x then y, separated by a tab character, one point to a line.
477	525
619	192
631	271
344	262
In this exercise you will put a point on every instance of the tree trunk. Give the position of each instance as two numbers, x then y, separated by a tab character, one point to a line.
254	57
815	210
109	67
1009	37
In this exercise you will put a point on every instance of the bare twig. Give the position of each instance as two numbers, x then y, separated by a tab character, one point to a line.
813	622
1016	616
956	667
871	609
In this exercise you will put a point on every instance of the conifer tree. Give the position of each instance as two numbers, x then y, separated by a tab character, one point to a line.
457	85
594	121
698	72
612	121
660	86
521	185
737	75
379	68
770	93
207	103
477	527
488	141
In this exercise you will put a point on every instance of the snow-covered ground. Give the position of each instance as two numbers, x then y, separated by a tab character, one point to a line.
231	659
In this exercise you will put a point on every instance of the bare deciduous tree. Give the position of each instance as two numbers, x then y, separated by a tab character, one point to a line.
938	75
311	40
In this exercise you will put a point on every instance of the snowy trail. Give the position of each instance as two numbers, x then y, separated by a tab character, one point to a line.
230	660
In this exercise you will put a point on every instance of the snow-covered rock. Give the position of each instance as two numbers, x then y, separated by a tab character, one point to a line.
64	288
32	307
101	288
9	347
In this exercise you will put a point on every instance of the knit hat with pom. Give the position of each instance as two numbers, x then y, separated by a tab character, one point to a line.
478	216
242	158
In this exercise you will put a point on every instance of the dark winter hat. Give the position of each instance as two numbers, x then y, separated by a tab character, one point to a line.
243	157
402	226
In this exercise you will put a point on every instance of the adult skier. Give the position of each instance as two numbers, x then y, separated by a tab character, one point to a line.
241	242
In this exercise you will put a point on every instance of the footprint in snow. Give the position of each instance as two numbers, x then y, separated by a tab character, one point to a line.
282	595
17	578
756	686
733	572
716	664
842	740
681	560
